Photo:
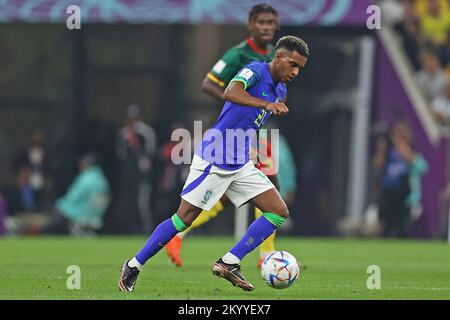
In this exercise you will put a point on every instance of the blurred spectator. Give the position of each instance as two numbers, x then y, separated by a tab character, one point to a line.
444	54
431	78
372	223
171	176
441	109
136	148
434	20
399	169
393	11
80	211
425	32
34	157
409	30
20	196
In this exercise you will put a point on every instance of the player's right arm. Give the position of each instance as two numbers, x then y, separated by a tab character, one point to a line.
236	93
221	73
212	89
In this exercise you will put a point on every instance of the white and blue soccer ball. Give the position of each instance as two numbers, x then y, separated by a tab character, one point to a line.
280	270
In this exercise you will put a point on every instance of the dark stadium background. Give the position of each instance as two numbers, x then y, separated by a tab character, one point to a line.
75	86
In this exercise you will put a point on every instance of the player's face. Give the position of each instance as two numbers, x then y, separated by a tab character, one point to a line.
263	27
289	65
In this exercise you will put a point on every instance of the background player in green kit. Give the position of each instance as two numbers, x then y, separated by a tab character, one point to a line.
262	24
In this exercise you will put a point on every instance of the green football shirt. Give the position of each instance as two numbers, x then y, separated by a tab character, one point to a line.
236	58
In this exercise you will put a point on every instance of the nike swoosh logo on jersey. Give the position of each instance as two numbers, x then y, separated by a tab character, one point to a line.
264	94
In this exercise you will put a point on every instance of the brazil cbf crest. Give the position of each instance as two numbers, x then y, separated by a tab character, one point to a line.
207	195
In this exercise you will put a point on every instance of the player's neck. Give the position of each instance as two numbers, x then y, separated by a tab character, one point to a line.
262	48
272	72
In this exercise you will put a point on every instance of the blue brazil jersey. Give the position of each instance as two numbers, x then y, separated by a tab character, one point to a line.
226	144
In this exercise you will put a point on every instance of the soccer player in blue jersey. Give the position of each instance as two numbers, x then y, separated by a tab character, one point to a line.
222	166
262	24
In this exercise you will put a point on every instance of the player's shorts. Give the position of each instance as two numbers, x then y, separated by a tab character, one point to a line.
206	184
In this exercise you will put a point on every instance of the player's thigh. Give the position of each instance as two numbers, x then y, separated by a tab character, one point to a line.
274	180
225	200
204	195
204	186
247	185
271	201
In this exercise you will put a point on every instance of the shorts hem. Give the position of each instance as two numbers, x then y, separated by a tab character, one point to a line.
201	205
250	196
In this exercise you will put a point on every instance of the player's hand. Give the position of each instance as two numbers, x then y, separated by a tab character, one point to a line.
278	108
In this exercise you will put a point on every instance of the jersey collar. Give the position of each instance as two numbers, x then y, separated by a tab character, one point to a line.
255	48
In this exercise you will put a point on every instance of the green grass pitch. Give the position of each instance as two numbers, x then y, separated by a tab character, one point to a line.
35	268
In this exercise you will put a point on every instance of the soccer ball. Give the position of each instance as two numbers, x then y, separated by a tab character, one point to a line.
280	270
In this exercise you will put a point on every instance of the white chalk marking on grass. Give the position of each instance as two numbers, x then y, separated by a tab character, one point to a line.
418	288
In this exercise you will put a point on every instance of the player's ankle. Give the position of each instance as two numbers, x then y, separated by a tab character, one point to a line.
230	258
133	263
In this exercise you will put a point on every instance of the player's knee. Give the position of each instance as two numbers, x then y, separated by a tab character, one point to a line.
188	216
187	223
283	211
185	218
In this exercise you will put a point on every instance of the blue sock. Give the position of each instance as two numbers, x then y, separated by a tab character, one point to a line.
258	231
163	233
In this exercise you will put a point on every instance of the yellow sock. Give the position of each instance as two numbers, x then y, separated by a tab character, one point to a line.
205	216
268	245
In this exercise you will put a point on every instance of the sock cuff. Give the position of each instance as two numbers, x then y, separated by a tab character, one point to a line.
178	223
135	263
274	219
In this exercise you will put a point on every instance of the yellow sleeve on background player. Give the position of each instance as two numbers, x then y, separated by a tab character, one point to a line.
225	69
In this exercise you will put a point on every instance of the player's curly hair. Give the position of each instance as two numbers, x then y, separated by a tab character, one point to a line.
261	8
293	43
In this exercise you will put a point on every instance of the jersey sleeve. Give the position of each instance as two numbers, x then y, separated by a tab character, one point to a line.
249	75
225	69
